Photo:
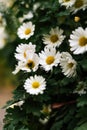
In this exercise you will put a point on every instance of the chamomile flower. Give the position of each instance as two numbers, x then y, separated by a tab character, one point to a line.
67	3
26	30
78	5
35	85
78	40
49	58
54	38
22	51
68	64
30	64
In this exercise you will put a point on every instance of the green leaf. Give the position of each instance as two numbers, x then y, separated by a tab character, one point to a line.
82	127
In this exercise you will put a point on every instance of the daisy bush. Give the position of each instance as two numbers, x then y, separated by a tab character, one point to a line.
49	58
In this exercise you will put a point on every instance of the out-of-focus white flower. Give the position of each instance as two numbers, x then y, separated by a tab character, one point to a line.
54	38
7	3
81	88
49	58
27	16
67	3
78	5
3	37
26	30
35	85
20	103
68	64
36	6
78	40
22	51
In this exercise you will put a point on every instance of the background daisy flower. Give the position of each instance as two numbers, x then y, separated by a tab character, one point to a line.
35	85
26	30
23	49
67	3
49	58
79	4
54	38
78	40
68	64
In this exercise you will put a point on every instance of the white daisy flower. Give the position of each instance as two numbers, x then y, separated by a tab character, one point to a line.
49	58
3	37
78	5
67	3
22	51
35	85
54	38
31	63
68	64
78	40
26	30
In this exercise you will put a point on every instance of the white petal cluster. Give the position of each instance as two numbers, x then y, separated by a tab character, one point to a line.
68	64
54	38
20	103
78	40
49	58
35	85
27	16
28	60
26	30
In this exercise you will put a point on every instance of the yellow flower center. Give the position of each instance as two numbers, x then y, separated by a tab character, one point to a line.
27	31
77	19
50	60
83	41
25	54
66	0
30	64
35	84
54	38
46	109
78	3
70	65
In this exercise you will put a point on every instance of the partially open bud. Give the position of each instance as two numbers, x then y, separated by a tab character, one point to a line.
46	110
76	19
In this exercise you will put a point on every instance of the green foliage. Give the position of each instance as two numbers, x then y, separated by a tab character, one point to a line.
65	95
